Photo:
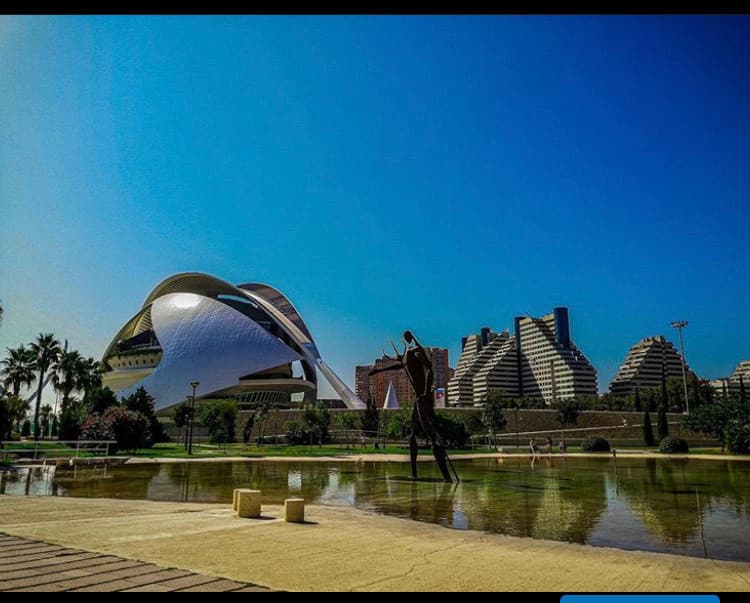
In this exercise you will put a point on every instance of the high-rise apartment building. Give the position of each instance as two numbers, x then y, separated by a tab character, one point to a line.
731	384
539	361
376	386
551	367
642	368
363	382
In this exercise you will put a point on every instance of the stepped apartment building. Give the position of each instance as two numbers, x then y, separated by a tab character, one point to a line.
732	383
643	366
539	361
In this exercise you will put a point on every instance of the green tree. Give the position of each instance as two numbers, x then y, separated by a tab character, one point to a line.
45	351
181	416
493	418
220	418
66	375
348	422
662	425
141	401
45	414
567	414
711	419
637	401
261	416
648	430
371	418
26	429
316	420
743	395
17	369
6	425
98	400
247	432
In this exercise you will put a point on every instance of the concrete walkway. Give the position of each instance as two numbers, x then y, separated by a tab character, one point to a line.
342	548
34	566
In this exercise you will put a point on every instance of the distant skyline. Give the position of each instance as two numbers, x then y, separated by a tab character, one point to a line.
437	173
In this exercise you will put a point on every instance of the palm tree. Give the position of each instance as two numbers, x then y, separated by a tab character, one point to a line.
45	412
45	350
89	374
68	372
17	369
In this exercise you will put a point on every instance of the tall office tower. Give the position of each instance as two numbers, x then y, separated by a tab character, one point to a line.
642	368
550	365
440	368
363	382
380	381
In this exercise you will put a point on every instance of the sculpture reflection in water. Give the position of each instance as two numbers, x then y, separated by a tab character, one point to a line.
417	364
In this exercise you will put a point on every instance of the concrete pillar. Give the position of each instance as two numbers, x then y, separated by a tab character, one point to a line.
236	497
294	510
248	503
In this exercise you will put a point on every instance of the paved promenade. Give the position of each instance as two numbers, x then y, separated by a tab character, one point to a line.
342	548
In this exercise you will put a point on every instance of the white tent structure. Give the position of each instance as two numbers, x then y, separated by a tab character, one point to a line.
391	401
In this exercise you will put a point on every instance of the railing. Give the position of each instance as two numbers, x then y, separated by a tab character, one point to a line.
18	448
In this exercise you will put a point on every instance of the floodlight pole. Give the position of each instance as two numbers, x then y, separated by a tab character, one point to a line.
679	325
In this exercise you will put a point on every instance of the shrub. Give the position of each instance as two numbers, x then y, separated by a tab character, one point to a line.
296	434
595	445
738	436
26	429
128	428
673	444
454	432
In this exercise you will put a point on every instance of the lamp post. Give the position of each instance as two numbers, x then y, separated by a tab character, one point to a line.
679	325
194	385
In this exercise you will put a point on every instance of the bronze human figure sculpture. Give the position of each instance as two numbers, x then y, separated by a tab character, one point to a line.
417	363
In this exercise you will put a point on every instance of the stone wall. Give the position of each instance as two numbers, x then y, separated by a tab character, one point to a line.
623	427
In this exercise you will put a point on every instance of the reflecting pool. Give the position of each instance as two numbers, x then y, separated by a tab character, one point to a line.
687	507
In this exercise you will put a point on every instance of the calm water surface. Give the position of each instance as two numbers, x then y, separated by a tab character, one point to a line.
687	507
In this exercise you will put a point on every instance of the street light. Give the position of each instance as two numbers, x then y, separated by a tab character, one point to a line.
679	325
194	385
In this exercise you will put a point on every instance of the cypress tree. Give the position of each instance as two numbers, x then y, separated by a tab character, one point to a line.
664	394
637	401
743	397
648	430
662	427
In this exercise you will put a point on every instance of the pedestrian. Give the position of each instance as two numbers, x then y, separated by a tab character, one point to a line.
532	446
549	445
561	447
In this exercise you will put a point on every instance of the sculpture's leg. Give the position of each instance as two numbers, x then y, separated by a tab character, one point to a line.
438	448
413	452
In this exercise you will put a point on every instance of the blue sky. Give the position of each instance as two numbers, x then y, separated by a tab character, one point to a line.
433	173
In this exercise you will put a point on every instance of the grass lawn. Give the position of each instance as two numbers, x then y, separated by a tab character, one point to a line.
173	450
213	450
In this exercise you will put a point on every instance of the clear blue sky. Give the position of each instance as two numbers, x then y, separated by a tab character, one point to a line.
433	173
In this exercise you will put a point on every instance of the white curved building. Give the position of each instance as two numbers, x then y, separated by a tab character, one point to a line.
246	342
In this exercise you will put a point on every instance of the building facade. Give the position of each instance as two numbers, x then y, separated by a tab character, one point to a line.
731	384
375	387
642	368
246	342
551	367
540	361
